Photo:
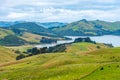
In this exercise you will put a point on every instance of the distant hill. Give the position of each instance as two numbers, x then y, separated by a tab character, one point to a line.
16	37
8	23
5	32
12	40
45	24
52	24
30	27
25	33
84	27
5	24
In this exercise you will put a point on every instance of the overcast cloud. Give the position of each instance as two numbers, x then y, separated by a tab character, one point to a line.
59	10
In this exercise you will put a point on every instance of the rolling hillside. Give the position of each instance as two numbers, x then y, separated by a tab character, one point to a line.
31	27
52	24
6	55
84	47
5	32
9	38
12	40
56	29
84	27
9	23
17	36
94	65
45	24
30	37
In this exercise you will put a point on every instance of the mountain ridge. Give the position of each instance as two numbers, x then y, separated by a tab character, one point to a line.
86	28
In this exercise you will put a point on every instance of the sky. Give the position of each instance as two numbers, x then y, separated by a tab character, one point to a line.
59	10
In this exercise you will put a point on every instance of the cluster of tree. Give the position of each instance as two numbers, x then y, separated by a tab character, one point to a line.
47	40
57	48
110	45
20	56
35	50
87	39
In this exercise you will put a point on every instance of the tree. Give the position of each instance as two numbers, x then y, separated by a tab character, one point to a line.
43	50
98	47
101	68
88	39
34	51
20	56
47	40
17	51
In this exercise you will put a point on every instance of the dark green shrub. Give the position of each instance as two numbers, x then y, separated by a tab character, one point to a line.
101	68
20	56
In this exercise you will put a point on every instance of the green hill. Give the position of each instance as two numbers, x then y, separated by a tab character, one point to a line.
6	55
32	28
9	38
5	32
84	27
84	47
52	24
25	33
97	64
18	37
12	40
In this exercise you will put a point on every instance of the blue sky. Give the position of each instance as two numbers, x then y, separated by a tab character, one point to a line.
59	10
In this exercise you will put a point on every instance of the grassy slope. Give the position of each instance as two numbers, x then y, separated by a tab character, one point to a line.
4	32
26	36
20	48
31	37
66	66
6	55
83	47
84	27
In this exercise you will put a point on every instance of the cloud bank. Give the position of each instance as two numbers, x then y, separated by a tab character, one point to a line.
59	10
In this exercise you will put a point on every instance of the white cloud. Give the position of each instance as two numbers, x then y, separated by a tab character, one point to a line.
14	15
59	10
106	1
64	15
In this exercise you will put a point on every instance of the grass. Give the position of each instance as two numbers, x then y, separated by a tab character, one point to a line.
109	72
20	48
4	32
74	64
35	38
84	47
6	55
31	37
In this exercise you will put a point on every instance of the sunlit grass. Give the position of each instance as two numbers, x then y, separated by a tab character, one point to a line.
67	65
